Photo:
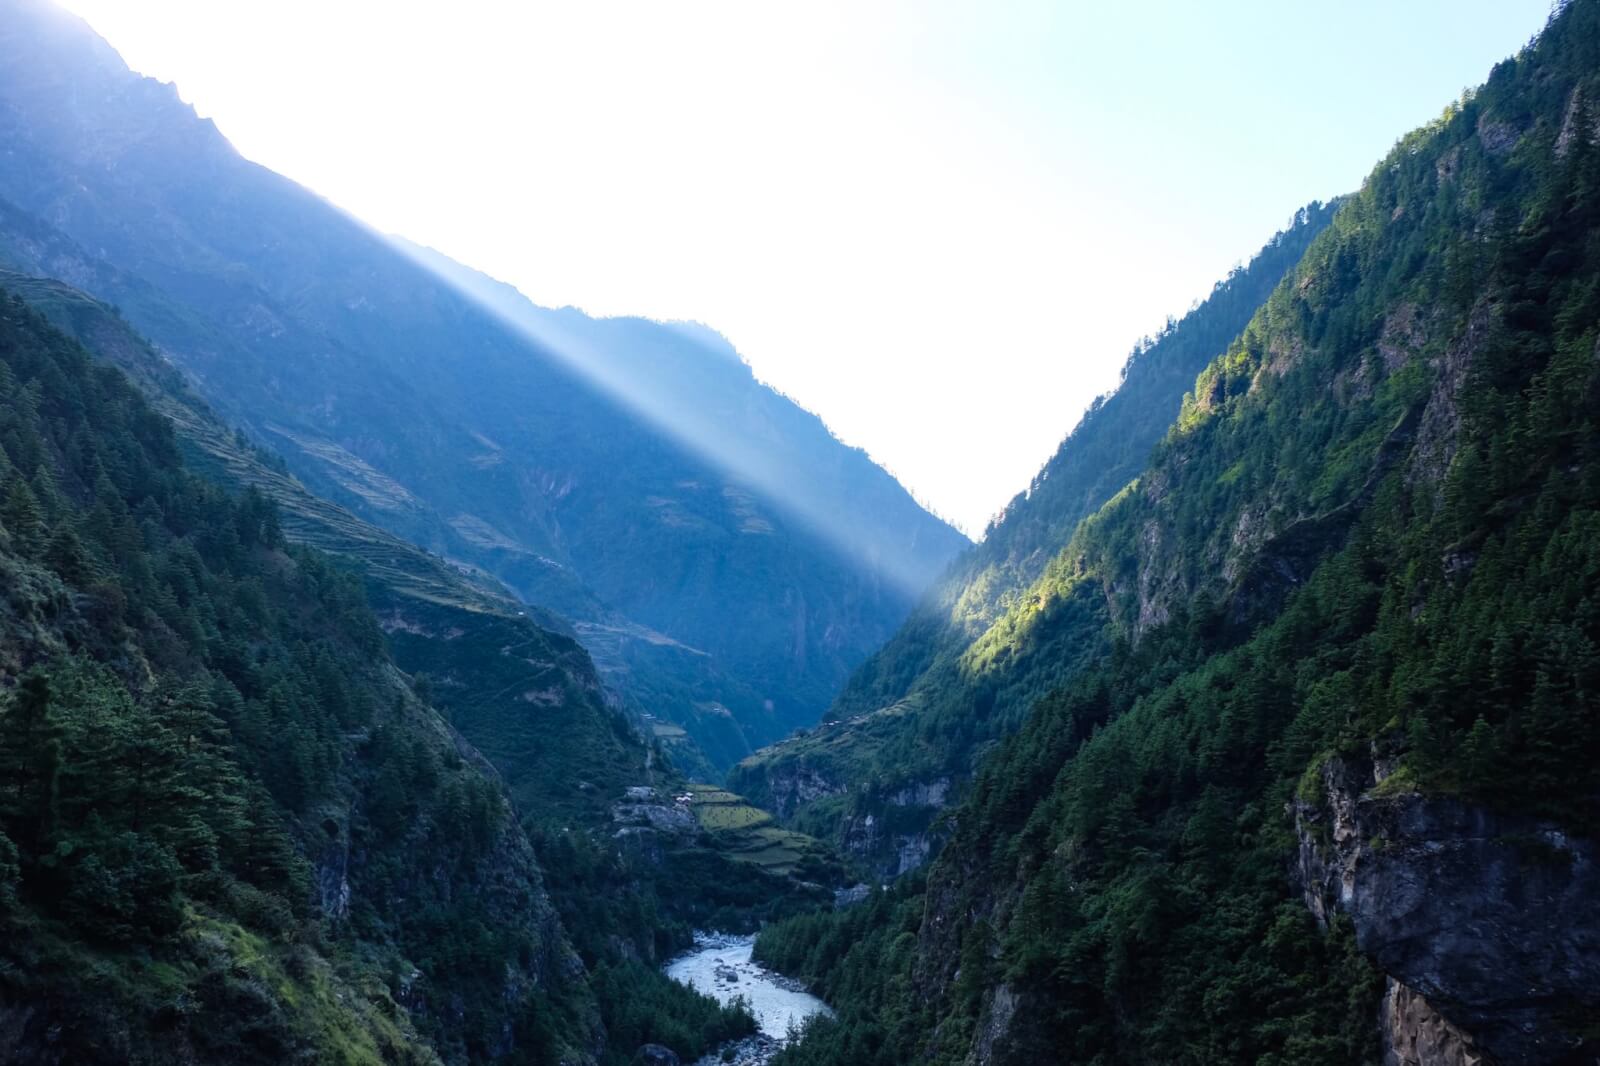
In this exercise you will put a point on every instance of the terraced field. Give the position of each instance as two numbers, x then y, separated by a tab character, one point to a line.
748	834
217	451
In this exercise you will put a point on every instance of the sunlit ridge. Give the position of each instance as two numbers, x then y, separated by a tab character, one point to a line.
726	451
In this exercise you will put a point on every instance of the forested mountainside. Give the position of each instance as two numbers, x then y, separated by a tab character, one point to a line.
229	827
629	871
539	715
911	724
1323	788
1103	453
709	600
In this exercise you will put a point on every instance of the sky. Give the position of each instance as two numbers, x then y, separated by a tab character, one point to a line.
940	224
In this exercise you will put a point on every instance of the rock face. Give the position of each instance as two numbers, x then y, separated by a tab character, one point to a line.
791	787
935	793
889	847
1487	924
994	1026
849	897
655	1055
1414	1034
644	810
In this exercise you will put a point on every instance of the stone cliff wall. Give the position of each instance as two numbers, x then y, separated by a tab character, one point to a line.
1487	924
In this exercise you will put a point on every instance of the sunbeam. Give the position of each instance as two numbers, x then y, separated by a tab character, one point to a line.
654	370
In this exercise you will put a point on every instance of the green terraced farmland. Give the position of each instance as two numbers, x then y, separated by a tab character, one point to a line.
717	817
747	833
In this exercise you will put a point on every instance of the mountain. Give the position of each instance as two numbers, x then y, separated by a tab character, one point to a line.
629	475
914	720
615	872
1106	450
689	379
448	625
1318	780
230	829
630	867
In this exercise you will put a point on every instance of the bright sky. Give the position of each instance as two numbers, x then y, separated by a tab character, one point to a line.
941	224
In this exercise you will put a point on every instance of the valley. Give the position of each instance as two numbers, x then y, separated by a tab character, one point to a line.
394	670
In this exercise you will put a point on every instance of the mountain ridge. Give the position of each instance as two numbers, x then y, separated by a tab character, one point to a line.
913	720
1285	811
419	600
623	875
312	333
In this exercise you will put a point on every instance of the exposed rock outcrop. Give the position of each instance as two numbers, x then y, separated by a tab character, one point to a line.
1414	1034
655	1055
1439	431
993	1027
1487	924
890	846
849	897
935	794
794	786
757	1050
1579	120
640	813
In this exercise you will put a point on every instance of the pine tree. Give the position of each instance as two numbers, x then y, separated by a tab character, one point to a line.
206	768
47	493
65	554
21	515
30	753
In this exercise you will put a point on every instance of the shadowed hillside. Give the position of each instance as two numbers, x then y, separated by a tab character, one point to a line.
769	556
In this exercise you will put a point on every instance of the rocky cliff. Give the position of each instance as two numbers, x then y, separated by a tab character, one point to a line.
1486	925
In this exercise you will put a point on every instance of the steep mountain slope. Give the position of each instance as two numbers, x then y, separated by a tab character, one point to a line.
1331	791
1106	450
229	827
910	725
395	395
687	377
576	771
538	715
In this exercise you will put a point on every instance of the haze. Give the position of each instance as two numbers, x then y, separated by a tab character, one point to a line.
940	225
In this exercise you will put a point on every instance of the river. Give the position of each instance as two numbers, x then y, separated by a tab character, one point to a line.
721	967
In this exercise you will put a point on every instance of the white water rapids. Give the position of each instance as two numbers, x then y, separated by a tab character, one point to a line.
721	967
